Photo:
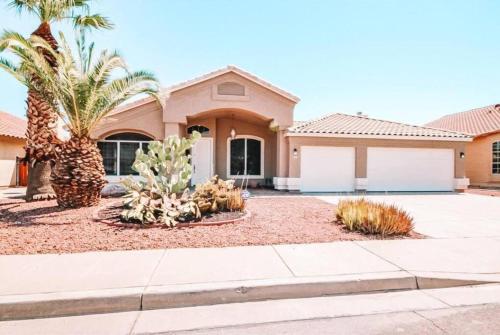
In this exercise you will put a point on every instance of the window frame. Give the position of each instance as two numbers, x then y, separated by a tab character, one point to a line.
228	160
493	163
141	143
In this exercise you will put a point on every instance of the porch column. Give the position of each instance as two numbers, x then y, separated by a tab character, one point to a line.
281	154
174	129
361	158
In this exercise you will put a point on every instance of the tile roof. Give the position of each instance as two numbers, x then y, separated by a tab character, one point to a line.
344	124
475	122
11	125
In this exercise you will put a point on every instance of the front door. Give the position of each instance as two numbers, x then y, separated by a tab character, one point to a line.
202	155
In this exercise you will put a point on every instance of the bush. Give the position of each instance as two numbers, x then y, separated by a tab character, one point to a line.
373	218
218	195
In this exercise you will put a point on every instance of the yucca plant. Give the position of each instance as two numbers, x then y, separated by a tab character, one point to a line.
82	91
42	119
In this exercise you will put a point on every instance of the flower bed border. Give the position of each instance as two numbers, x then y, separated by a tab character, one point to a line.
96	217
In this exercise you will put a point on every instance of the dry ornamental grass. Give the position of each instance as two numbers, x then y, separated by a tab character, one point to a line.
374	218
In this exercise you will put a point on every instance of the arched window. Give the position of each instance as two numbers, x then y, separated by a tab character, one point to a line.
245	157
118	152
204	131
495	158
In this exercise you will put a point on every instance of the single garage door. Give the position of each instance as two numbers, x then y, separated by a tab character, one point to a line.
327	169
410	169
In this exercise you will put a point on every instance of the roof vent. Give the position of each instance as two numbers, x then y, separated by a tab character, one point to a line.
497	107
360	114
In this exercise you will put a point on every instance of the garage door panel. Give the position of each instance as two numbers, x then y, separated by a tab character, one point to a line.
410	169
327	169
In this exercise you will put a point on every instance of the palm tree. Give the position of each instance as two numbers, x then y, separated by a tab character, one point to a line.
81	91
42	120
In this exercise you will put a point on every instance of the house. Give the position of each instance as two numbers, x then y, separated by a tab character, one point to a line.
248	130
12	141
482	163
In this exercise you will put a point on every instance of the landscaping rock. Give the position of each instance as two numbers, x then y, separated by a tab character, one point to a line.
113	190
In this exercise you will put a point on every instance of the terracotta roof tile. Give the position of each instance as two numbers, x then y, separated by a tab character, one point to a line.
11	125
475	122
344	124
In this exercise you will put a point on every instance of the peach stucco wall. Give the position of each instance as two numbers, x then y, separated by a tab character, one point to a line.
243	128
200	98
10	148
361	146
145	119
479	160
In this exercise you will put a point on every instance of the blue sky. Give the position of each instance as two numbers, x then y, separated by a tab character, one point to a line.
409	61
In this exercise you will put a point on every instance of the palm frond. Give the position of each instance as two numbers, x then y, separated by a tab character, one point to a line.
95	21
59	10
14	70
81	91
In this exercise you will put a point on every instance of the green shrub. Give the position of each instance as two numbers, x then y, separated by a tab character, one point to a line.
373	218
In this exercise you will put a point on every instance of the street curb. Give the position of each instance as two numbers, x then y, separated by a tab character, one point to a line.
13	307
171	296
44	305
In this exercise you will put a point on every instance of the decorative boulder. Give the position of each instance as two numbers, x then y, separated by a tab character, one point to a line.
113	190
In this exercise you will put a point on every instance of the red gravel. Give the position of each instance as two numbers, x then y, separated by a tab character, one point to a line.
41	227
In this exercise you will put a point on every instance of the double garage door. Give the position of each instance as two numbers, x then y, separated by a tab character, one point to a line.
332	169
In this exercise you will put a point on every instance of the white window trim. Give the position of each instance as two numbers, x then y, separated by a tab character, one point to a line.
118	142
228	158
492	152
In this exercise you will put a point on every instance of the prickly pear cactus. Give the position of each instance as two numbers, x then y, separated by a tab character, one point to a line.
164	172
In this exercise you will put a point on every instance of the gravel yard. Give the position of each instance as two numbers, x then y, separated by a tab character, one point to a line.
30	228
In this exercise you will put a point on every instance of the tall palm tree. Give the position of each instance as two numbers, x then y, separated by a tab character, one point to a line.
81	91
42	120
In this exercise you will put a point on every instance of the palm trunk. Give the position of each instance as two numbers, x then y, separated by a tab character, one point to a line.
78	176
39	187
40	133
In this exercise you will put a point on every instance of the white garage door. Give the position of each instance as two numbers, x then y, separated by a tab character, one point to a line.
327	169
410	169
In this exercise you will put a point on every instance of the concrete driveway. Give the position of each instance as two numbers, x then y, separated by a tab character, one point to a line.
444	215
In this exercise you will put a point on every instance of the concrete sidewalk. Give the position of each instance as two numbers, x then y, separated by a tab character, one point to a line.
99	282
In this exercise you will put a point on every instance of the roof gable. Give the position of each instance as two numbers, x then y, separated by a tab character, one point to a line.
239	72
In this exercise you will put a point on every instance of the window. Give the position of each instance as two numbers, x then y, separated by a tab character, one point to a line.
118	152
246	157
496	158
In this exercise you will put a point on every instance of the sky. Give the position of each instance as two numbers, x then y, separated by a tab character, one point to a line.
407	61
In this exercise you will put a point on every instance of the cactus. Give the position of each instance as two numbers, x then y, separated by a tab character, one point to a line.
213	195
164	174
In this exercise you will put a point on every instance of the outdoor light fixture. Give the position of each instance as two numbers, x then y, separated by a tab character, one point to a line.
233	131
462	155
295	152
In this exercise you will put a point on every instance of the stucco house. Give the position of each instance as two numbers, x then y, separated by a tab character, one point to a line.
249	130
482	163
12	141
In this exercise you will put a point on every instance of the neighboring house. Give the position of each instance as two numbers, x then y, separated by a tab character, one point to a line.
249	131
12	141
482	163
